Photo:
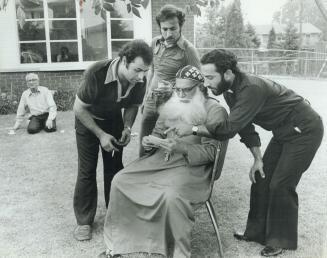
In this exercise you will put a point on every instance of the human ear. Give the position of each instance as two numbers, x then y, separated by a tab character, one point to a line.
228	75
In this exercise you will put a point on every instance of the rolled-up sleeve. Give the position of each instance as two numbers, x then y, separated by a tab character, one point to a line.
204	153
21	109
52	106
249	101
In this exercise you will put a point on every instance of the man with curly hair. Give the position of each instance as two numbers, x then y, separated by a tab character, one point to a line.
297	134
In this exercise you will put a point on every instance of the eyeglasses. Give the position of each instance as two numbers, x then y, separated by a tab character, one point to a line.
184	90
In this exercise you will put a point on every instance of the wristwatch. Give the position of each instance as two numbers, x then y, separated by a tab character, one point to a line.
195	130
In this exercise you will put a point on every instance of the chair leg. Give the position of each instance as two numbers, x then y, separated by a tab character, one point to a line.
215	225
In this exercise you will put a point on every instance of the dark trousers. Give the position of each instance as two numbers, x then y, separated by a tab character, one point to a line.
273	215
37	123
86	191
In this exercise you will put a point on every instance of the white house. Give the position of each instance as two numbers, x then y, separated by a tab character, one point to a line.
310	34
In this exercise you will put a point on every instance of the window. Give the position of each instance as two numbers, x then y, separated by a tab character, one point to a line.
59	31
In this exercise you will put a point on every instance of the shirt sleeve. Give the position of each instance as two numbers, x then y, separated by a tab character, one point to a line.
52	105
87	92
201	154
21	109
249	101
192	57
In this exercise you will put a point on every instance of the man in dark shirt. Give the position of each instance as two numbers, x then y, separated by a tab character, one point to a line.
171	51
297	133
107	87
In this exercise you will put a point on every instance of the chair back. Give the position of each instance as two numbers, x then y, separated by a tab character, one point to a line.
218	163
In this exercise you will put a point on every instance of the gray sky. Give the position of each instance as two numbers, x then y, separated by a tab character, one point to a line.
259	12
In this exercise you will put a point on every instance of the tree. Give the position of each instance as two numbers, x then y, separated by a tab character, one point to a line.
290	12
291	38
271	38
251	37
211	32
291	42
235	27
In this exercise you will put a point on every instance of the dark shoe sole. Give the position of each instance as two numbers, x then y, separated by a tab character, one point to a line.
241	237
269	254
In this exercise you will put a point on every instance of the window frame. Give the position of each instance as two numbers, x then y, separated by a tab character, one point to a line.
64	66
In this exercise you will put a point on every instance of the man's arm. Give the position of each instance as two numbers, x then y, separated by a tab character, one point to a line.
257	165
83	114
52	110
192	57
20	112
52	106
130	114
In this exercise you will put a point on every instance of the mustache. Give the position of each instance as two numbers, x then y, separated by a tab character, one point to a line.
170	38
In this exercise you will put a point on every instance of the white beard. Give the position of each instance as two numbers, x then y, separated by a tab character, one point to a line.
192	112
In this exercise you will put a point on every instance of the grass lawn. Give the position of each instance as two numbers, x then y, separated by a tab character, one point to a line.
38	174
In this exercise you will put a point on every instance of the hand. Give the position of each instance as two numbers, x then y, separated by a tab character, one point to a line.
147	144
172	145
257	166
49	124
107	141
181	129
125	137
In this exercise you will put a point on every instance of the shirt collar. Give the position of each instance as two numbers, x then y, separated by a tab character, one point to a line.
36	92
180	42
112	75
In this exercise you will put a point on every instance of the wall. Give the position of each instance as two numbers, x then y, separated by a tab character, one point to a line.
15	82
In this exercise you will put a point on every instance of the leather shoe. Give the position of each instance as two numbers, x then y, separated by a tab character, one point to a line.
82	232
241	237
271	251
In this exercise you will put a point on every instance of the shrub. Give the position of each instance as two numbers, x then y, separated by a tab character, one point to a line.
8	105
64	99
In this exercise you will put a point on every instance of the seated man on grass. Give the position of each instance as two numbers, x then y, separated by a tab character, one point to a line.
152	199
38	102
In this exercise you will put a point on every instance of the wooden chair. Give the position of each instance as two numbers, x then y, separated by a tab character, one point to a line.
216	172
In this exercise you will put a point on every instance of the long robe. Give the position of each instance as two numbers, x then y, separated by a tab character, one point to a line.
152	199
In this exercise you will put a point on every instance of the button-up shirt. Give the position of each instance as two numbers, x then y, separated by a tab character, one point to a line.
36	103
102	89
257	100
167	60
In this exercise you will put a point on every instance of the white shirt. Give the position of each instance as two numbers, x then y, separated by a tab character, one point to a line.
36	103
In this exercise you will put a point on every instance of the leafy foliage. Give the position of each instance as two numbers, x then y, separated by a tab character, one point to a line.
64	99
251	38
210	31
290	12
291	38
235	27
8	106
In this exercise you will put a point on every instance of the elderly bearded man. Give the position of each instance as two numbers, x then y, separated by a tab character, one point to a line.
151	200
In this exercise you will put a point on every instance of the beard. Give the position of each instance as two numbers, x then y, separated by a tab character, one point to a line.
192	112
221	87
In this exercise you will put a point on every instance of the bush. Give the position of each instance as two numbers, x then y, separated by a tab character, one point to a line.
64	99
7	105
